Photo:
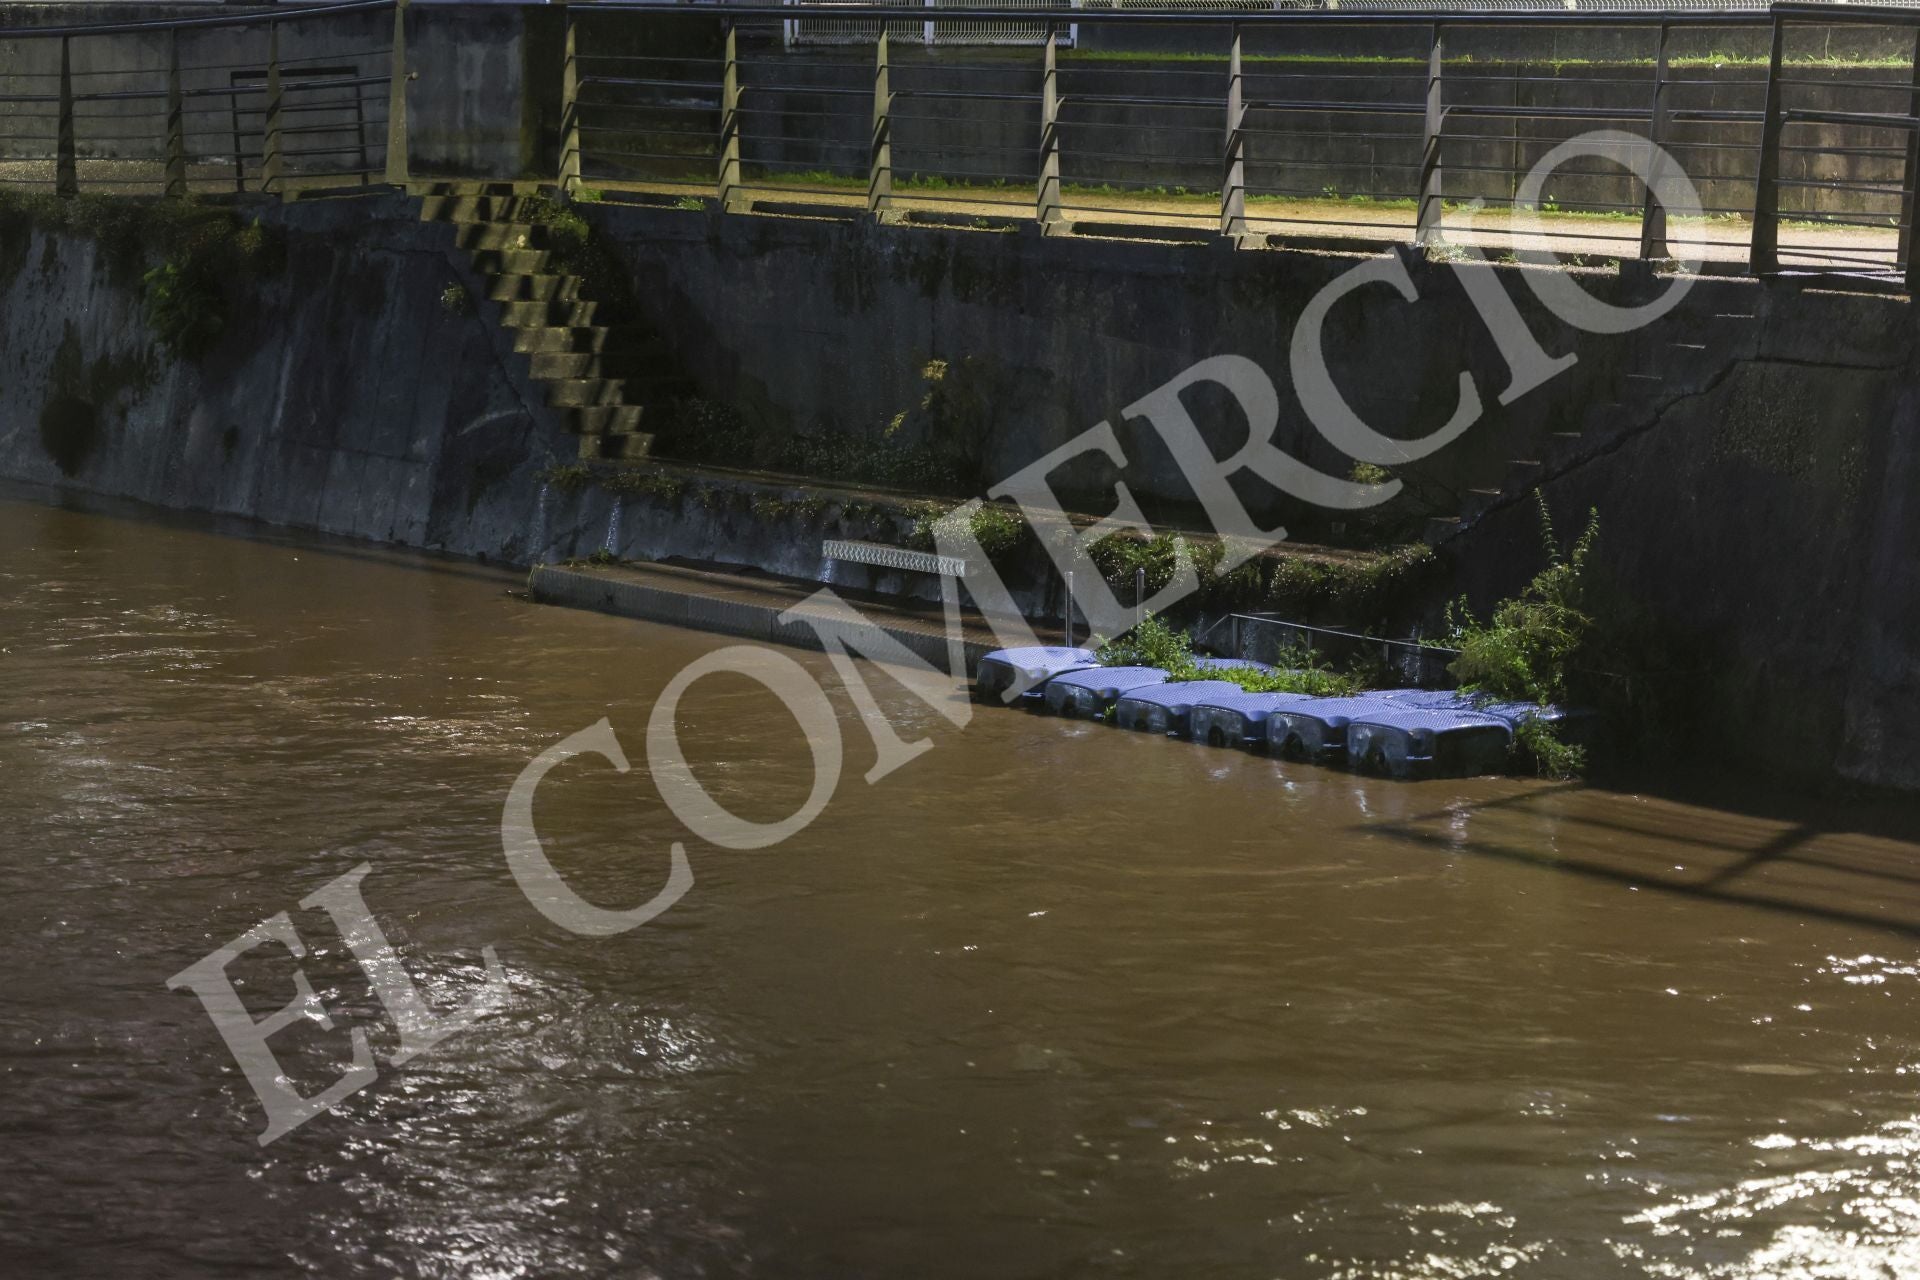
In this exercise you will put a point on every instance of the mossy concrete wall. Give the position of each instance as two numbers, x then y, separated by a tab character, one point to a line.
1768	527
342	395
1752	453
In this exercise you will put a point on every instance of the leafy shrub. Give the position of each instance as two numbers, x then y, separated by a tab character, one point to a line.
1152	644
1527	650
185	306
998	528
1299	670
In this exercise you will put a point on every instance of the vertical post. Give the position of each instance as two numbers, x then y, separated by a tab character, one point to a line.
1763	256
271	175
399	172
66	164
1047	204
732	199
570	110
176	123
1233	182
1069	610
1910	185
926	28
1653	214
1139	596
1426	227
880	149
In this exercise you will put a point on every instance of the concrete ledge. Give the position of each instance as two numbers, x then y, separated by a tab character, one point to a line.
748	607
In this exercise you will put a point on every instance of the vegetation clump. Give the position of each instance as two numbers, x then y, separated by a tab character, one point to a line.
1155	644
1527	648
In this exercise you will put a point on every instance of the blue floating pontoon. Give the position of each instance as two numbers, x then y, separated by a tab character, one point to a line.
1417	742
1093	691
1238	718
1009	674
1429	699
1232	664
1166	708
1317	728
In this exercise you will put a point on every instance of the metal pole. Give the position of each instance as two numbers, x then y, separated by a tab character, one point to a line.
732	200
570	110
1069	620
1233	183
398	169
1763	256
1426	227
1047	204
176	187
880	153
271	164
1139	596
1653	214
66	164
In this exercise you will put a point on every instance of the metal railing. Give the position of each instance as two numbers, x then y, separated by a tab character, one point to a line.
1420	126
1272	121
273	102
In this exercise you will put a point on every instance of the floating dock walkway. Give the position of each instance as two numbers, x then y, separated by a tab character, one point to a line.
746	604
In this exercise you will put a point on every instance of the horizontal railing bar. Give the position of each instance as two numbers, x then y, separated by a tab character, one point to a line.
1868	120
1057	18
289	13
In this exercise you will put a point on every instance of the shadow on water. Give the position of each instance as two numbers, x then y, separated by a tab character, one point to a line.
1708	837
308	541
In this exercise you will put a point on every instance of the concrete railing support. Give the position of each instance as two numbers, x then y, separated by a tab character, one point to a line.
66	163
1426	226
1910	185
1653	214
272	166
1047	206
570	109
176	186
1763	255
1233	181
732	198
880	150
398	171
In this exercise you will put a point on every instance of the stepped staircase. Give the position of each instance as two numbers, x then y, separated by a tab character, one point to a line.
1663	365
602	372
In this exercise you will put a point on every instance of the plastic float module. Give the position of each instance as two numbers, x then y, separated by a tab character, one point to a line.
1317	728
1429	699
1428	742
1092	692
1238	718
1024	672
1166	708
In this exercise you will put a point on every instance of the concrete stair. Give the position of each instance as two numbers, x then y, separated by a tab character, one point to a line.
1662	366
599	378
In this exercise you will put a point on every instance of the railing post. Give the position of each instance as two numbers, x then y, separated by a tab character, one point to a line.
271	176
1233	181
732	199
880	142
66	164
1653	214
1047	203
1910	184
176	123
1763	256
570	109
1426	227
399	171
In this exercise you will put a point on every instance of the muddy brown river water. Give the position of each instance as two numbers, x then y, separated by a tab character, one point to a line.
1051	1001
